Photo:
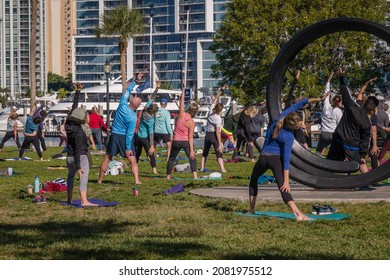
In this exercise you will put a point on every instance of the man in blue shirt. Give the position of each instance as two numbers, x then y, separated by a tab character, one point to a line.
123	127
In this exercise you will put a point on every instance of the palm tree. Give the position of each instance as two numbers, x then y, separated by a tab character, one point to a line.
33	49
123	23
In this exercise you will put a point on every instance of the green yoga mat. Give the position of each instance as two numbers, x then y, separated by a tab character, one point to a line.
283	215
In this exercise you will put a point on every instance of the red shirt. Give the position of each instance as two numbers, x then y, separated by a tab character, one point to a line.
96	121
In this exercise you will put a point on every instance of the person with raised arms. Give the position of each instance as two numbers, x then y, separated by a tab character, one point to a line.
123	127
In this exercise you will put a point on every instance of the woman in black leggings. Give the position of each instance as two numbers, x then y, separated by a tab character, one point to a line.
275	155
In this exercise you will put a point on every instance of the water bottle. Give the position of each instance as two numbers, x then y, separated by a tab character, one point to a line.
135	191
36	184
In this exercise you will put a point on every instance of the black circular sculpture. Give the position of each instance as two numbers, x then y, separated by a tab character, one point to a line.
306	167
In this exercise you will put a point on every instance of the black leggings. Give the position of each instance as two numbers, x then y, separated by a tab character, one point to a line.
264	163
144	143
41	138
211	139
8	135
26	143
241	139
176	147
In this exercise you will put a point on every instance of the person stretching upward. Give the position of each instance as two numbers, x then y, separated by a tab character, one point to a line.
331	116
276	154
121	139
213	133
351	139
183	137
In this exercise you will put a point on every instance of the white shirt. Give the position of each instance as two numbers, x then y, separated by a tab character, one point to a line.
330	116
213	120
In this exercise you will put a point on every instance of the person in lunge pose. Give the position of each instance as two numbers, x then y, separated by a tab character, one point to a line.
121	138
276	154
183	137
30	134
12	130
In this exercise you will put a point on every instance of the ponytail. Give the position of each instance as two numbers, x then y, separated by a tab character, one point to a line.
279	125
291	121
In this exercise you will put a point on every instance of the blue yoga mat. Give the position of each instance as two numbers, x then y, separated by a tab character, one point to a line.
99	202
283	215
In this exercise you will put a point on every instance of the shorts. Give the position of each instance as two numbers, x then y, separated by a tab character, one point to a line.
338	151
159	136
117	145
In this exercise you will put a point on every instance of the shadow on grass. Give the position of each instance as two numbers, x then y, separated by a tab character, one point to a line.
273	254
54	240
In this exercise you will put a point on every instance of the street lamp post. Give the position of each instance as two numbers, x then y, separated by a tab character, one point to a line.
107	72
151	45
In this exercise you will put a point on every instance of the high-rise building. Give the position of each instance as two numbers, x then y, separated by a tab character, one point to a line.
60	28
169	41
15	28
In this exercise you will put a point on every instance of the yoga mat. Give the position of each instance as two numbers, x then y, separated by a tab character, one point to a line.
99	202
23	158
198	179
283	215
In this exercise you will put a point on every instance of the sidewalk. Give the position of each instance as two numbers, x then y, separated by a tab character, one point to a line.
300	193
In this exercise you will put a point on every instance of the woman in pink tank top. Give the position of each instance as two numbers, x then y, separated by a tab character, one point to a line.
183	137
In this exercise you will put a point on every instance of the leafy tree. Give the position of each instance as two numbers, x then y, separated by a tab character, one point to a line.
253	32
124	24
62	93
55	81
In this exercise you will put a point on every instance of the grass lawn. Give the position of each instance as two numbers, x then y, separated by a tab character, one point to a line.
180	226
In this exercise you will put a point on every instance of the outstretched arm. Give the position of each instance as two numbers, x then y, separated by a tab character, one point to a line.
76	98
364	87
219	93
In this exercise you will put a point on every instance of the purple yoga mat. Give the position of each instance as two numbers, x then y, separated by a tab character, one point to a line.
99	202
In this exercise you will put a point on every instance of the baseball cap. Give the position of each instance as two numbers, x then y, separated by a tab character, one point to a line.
163	101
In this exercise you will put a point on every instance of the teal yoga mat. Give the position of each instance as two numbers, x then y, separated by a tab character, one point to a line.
283	215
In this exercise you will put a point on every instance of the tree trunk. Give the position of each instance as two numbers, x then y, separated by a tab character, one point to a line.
123	49
33	49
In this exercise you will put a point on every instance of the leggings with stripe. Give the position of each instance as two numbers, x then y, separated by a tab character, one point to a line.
265	162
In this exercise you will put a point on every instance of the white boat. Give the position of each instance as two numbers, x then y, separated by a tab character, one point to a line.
22	107
96	96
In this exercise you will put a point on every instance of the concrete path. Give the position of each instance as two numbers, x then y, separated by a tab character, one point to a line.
300	193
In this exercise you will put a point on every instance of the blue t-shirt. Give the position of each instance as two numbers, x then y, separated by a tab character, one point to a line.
125	118
282	145
30	126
